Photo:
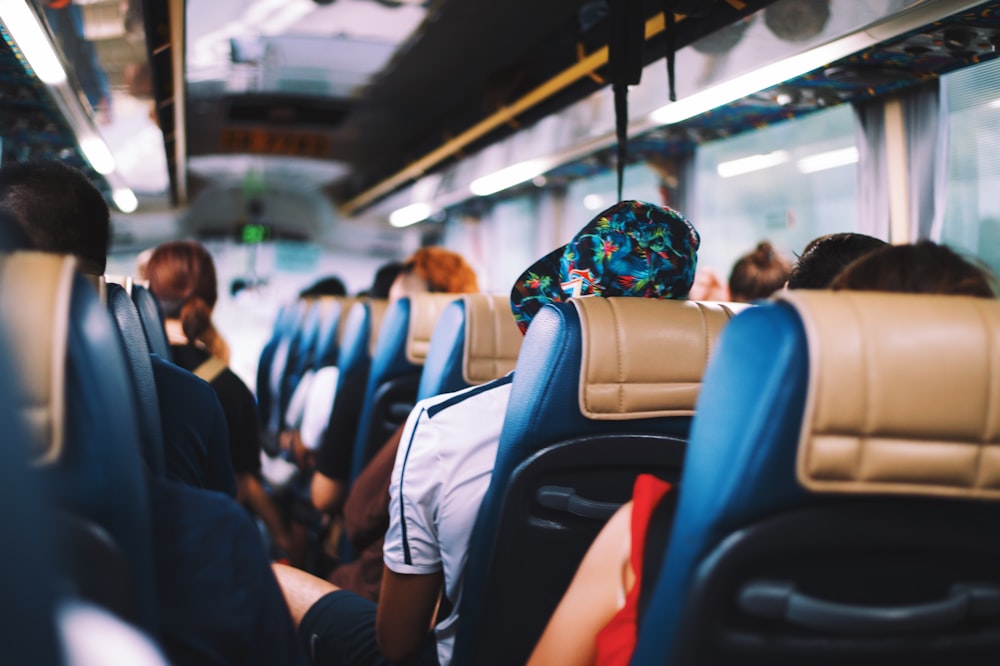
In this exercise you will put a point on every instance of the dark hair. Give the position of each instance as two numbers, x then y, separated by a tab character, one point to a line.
384	277
921	268
59	209
825	256
444	271
328	286
182	275
757	274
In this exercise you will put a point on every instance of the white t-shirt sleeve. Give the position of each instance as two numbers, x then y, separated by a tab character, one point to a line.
319	404
411	542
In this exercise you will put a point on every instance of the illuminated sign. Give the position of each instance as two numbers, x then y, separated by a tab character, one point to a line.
274	142
254	233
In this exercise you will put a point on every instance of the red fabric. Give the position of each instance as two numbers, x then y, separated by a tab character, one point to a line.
616	641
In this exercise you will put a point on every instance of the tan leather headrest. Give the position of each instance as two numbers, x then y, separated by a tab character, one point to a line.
492	338
346	303
425	310
645	357
376	311
35	290
904	394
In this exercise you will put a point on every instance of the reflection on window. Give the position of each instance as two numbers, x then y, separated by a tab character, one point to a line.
972	218
786	183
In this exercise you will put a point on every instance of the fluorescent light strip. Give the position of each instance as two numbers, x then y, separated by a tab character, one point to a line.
751	164
23	25
411	214
508	177
97	152
828	160
125	199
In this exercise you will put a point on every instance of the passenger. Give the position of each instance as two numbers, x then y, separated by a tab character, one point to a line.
429	269
182	275
591	624
384	277
922	268
450	442
757	274
218	601
366	508
328	286
825	256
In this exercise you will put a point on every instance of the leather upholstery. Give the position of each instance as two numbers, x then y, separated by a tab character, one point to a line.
475	341
874	422
425	310
907	371
634	368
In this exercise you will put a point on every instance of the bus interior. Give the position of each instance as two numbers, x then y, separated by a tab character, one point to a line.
300	139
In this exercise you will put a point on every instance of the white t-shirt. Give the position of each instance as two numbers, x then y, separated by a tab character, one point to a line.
442	470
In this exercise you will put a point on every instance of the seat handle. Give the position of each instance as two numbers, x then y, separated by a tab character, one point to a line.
778	600
565	499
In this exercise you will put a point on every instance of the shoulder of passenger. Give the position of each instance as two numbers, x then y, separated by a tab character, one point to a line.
438	404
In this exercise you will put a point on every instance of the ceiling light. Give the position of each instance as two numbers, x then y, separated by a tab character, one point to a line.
125	199
508	177
593	202
752	82
828	160
752	163
97	153
22	24
411	214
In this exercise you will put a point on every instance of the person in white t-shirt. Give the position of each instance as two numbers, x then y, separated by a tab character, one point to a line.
448	449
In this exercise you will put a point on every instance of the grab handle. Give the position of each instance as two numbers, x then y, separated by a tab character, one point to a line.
779	600
566	499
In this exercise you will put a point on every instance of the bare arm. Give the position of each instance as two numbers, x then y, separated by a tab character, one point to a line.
327	494
406	609
592	598
250	491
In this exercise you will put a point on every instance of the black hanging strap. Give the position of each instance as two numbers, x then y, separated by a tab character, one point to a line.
669	29
628	33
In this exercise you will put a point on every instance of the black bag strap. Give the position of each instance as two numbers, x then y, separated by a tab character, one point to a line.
628	35
661	522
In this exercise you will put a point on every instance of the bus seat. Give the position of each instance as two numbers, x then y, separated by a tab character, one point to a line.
330	332
604	389
364	320
398	358
79	407
476	340
838	501
152	321
282	322
133	339
278	366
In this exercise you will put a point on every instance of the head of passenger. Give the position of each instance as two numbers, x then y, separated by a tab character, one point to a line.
384	277
824	257
922	268
758	274
434	270
631	249
708	286
328	286
182	275
59	210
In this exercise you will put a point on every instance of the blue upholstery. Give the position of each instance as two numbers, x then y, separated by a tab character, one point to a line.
354	365
327	345
739	484
101	472
442	371
389	368
152	321
545	437
133	340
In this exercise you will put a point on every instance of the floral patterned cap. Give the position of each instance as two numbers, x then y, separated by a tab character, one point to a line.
631	249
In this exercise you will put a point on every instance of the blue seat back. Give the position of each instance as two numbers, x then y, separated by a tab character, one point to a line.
883	406
603	390
476	340
327	345
151	316
80	406
397	361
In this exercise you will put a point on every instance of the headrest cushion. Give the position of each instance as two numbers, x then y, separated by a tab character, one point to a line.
492	338
904	394
35	291
643	357
425	310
